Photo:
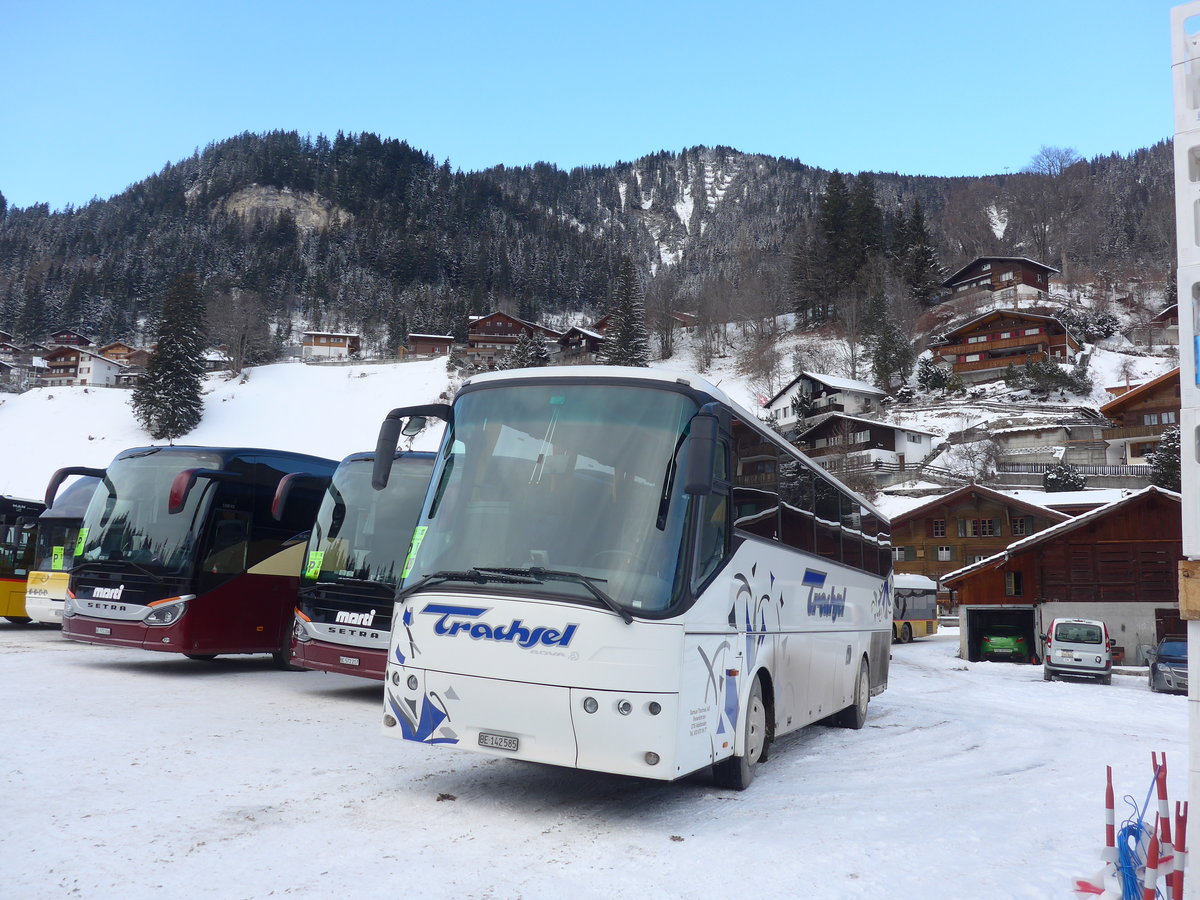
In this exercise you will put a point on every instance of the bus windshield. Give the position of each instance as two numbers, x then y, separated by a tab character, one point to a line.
127	520
361	534
566	478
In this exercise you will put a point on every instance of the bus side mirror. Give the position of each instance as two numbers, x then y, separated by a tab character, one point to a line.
394	425
62	475
702	453
284	490
181	487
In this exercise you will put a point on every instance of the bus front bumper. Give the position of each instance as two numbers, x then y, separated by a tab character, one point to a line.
622	732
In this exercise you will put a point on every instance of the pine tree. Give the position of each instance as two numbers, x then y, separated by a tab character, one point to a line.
1164	461
524	354
167	400
921	270
626	340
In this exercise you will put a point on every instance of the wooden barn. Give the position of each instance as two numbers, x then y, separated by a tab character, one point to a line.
1118	563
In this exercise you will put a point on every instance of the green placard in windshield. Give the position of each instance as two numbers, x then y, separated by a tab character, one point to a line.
418	536
56	558
80	541
312	567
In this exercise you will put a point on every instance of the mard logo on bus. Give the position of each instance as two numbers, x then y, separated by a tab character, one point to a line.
454	620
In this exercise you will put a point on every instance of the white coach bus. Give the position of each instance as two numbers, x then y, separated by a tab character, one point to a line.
623	571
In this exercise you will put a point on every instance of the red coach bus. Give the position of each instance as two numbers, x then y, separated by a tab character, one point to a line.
179	551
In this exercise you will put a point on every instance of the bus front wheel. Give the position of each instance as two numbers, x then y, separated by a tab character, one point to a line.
906	634
737	772
855	715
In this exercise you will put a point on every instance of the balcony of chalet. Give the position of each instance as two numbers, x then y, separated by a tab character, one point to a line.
999	362
1134	431
1020	342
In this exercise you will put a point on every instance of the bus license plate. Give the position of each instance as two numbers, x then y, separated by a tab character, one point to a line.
498	741
348	660
100	629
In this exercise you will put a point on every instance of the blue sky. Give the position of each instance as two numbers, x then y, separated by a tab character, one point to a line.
96	97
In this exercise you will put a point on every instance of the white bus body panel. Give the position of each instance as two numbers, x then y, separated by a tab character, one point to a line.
45	593
465	664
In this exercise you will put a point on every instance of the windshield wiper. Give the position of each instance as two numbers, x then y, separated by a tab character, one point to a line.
532	575
539	575
103	564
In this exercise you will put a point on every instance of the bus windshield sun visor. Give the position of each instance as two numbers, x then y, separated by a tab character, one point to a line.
408	421
181	487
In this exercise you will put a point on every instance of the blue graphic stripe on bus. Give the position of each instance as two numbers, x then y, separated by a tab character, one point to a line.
423	727
813	578
514	633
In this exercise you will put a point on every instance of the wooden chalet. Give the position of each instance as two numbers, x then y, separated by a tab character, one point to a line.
490	337
1004	279
67	337
1118	563
839	442
69	365
811	394
117	350
329	344
987	345
579	346
430	344
1140	416
964	526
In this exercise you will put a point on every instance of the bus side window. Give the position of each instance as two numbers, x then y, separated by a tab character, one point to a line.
230	538
712	535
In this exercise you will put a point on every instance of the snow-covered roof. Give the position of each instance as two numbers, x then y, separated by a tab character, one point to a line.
1054	531
834	382
912	582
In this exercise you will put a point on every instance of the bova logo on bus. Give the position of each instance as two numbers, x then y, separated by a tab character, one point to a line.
454	620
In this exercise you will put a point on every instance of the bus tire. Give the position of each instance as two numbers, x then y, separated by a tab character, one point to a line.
906	634
855	715
19	620
737	772
282	660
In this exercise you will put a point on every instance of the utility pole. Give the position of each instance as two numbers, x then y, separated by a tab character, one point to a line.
1185	75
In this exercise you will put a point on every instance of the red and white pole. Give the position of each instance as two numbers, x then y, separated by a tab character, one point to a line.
1166	854
1181	810
1110	823
1150	879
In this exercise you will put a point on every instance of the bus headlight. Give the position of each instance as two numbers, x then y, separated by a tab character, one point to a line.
168	613
590	705
624	707
652	758
300	632
69	606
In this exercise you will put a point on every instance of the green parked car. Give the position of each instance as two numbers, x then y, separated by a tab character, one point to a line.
1004	642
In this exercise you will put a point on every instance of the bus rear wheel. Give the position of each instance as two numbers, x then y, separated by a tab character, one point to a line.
737	772
855	715
906	635
19	620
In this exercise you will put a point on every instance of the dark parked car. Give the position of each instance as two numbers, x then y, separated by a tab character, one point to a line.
1004	642
1168	666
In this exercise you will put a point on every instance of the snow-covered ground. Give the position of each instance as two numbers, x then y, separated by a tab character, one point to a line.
132	774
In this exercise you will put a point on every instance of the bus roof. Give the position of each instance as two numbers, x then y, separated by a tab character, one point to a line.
225	453
73	502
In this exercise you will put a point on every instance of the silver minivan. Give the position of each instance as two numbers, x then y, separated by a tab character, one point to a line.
1078	647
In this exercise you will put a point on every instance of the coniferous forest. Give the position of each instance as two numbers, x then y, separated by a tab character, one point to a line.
370	234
